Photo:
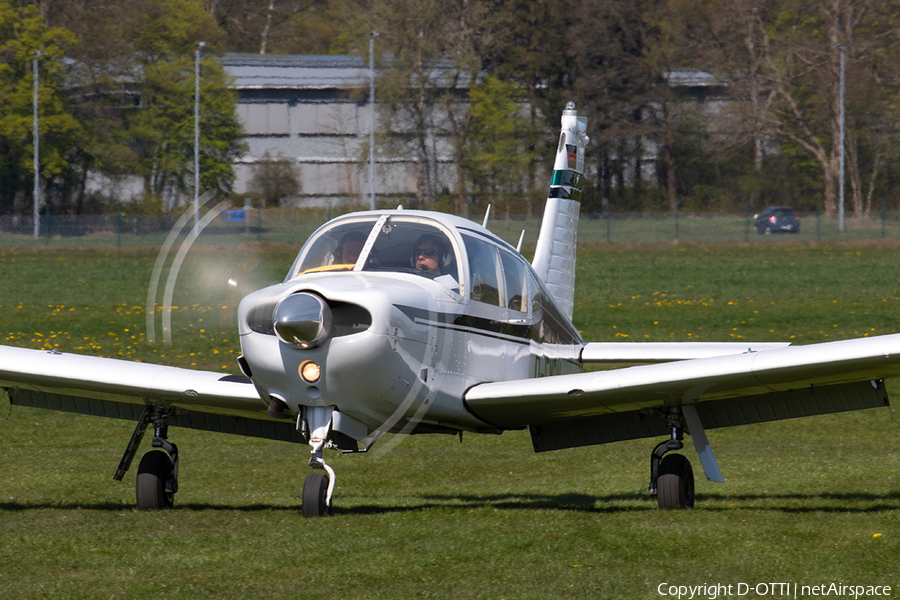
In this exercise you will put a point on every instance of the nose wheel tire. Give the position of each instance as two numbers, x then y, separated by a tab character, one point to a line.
153	473
315	490
675	484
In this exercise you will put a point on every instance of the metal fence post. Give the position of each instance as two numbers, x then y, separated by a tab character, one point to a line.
606	213
676	219
747	222
818	214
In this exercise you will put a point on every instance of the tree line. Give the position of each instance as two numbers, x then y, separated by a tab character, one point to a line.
704	105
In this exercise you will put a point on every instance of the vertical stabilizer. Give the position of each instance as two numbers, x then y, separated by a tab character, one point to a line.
554	258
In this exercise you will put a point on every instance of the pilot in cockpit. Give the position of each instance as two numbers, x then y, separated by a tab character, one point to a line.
431	254
428	254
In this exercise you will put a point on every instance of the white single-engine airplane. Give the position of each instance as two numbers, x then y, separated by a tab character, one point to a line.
418	322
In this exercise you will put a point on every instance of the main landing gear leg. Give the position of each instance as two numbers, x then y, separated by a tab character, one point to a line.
157	479
671	477
318	488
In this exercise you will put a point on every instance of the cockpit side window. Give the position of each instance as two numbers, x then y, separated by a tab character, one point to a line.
484	269
514	274
334	249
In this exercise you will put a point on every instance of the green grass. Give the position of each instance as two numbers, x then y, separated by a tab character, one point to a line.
804	500
291	226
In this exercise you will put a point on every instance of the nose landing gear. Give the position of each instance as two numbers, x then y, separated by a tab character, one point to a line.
318	488
315	495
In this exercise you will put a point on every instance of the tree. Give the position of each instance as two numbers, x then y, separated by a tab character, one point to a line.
803	49
439	52
622	56
274	180
22	33
161	129
281	27
529	49
131	89
496	159
409	84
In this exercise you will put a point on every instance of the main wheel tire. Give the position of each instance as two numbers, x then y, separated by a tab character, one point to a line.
675	483
150	489
315	488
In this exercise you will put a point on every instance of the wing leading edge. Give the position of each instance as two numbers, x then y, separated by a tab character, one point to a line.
83	384
548	400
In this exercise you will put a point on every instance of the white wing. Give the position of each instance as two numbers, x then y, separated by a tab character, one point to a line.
123	389
771	384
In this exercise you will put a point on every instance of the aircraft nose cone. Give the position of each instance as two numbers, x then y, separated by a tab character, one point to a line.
303	319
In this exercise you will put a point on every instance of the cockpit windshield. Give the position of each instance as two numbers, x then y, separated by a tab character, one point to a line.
336	248
400	245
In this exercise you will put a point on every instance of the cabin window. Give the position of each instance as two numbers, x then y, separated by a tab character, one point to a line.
514	274
485	271
334	249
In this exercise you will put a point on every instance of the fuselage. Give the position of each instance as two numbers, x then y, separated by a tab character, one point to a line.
402	344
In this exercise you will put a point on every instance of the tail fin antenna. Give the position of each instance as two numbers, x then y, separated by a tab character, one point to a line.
554	257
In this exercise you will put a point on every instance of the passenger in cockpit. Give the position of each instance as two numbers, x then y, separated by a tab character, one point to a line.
348	250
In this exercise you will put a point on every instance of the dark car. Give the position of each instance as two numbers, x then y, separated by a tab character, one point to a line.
777	219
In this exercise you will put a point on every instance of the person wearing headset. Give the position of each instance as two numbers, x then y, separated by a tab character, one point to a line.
429	254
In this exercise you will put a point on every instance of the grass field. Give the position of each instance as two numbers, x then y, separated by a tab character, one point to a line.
808	502
291	226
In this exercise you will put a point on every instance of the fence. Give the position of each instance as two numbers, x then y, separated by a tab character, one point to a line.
294	226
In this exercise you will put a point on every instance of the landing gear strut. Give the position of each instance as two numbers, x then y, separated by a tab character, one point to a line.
318	488
157	479
671	477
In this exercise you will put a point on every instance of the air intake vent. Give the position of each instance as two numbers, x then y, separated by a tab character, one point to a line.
261	320
348	319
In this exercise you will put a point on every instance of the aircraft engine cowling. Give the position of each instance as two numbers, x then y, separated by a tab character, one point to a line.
303	319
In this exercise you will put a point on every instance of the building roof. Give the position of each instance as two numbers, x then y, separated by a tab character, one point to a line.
683	77
295	72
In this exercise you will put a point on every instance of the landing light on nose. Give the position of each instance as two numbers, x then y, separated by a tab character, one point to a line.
309	371
303	319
